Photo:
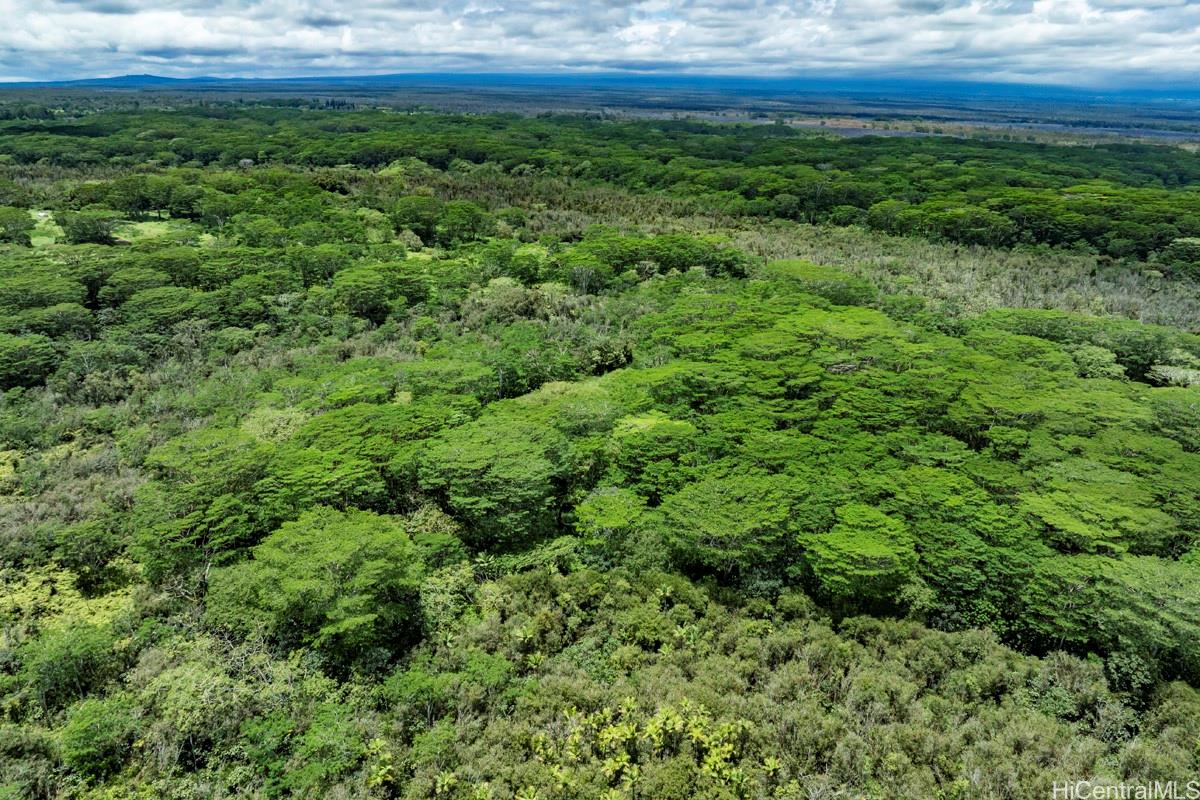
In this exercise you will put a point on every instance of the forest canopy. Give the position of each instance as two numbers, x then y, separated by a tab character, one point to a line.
367	454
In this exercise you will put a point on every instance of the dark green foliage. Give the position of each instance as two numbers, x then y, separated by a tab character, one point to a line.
25	360
97	736
124	283
65	663
1182	257
90	226
418	214
369	292
15	225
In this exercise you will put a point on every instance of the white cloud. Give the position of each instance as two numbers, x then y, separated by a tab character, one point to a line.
1063	41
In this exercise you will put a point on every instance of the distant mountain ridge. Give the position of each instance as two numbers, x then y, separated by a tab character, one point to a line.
781	85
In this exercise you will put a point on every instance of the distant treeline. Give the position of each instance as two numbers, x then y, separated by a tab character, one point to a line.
1125	201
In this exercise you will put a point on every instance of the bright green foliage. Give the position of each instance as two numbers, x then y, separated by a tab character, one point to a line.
1144	605
652	452
500	476
832	284
60	321
161	308
723	522
344	583
392	434
864	560
468	456
1088	507
1136	347
1177	415
300	478
198	510
67	662
608	516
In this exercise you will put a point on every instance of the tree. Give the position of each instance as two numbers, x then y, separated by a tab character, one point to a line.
369	292
298	478
463	221
863	561
1099	603
25	360
729	523
1177	415
15	225
39	288
159	308
832	284
419	214
345	583
97	736
124	283
89	226
1182	257
68	661
196	510
500	477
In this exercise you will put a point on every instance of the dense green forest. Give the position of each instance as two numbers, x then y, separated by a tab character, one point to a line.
370	454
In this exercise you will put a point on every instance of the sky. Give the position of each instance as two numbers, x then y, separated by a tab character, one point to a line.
1066	42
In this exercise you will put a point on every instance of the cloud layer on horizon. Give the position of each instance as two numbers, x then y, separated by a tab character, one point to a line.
1082	42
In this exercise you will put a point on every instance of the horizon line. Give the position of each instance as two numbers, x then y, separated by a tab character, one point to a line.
879	79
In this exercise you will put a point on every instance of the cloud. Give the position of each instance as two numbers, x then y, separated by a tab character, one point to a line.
1049	41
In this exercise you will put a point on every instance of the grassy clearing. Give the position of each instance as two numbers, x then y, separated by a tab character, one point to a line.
46	231
153	229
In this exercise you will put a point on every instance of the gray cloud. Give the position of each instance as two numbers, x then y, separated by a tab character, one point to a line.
1059	41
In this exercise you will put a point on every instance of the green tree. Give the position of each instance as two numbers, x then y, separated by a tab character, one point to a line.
500	476
463	221
419	214
89	226
25	360
864	560
124	283
343	582
15	225
370	292
97	736
728	523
